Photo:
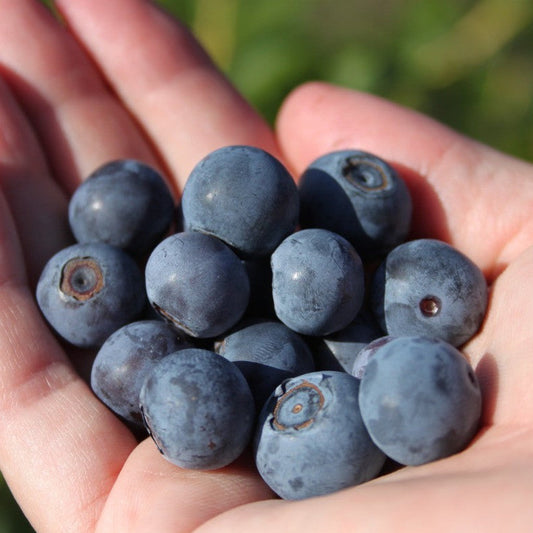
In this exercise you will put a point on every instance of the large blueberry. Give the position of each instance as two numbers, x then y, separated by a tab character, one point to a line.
124	360
244	196
318	282
267	352
87	291
420	400
427	287
197	283
198	409
359	196
124	203
363	357
311	439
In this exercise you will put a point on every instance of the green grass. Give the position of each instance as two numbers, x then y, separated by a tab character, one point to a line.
467	63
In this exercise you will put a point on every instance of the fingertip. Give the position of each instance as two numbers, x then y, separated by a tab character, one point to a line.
290	120
318	117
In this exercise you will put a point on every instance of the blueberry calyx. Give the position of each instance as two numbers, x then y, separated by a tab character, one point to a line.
81	278
365	174
430	306
298	407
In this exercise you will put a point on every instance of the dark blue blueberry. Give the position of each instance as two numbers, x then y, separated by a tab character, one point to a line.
311	439
358	196
261	304
318	282
427	287
197	283
124	203
362	358
244	196
87	291
267	352
339	350
198	409
124	360
420	400
178	219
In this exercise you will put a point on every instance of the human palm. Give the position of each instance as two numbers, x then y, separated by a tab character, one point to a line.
126	80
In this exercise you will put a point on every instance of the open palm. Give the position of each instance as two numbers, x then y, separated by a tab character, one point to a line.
126	80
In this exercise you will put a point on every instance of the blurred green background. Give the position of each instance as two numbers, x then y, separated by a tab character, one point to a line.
467	63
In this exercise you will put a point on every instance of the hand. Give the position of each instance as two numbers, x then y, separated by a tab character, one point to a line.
125	80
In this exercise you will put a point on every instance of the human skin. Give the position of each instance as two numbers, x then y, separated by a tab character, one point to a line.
126	80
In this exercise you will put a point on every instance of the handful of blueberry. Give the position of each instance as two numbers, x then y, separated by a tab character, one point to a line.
263	323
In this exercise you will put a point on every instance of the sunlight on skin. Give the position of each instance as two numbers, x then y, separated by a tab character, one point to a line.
186	107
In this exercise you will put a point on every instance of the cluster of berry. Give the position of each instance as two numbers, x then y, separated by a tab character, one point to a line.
297	320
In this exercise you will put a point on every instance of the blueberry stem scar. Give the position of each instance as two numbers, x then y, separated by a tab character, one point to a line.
373	179
430	306
82	278
298	407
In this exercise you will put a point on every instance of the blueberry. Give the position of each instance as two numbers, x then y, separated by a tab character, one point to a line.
339	350
267	352
197	283
261	304
244	196
427	287
420	400
362	358
124	360
87	291
124	203
318	282
311	440
198	409
359	196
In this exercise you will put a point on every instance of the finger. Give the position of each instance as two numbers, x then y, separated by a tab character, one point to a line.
37	204
57	442
392	503
151	494
78	121
502	351
465	193
166	80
